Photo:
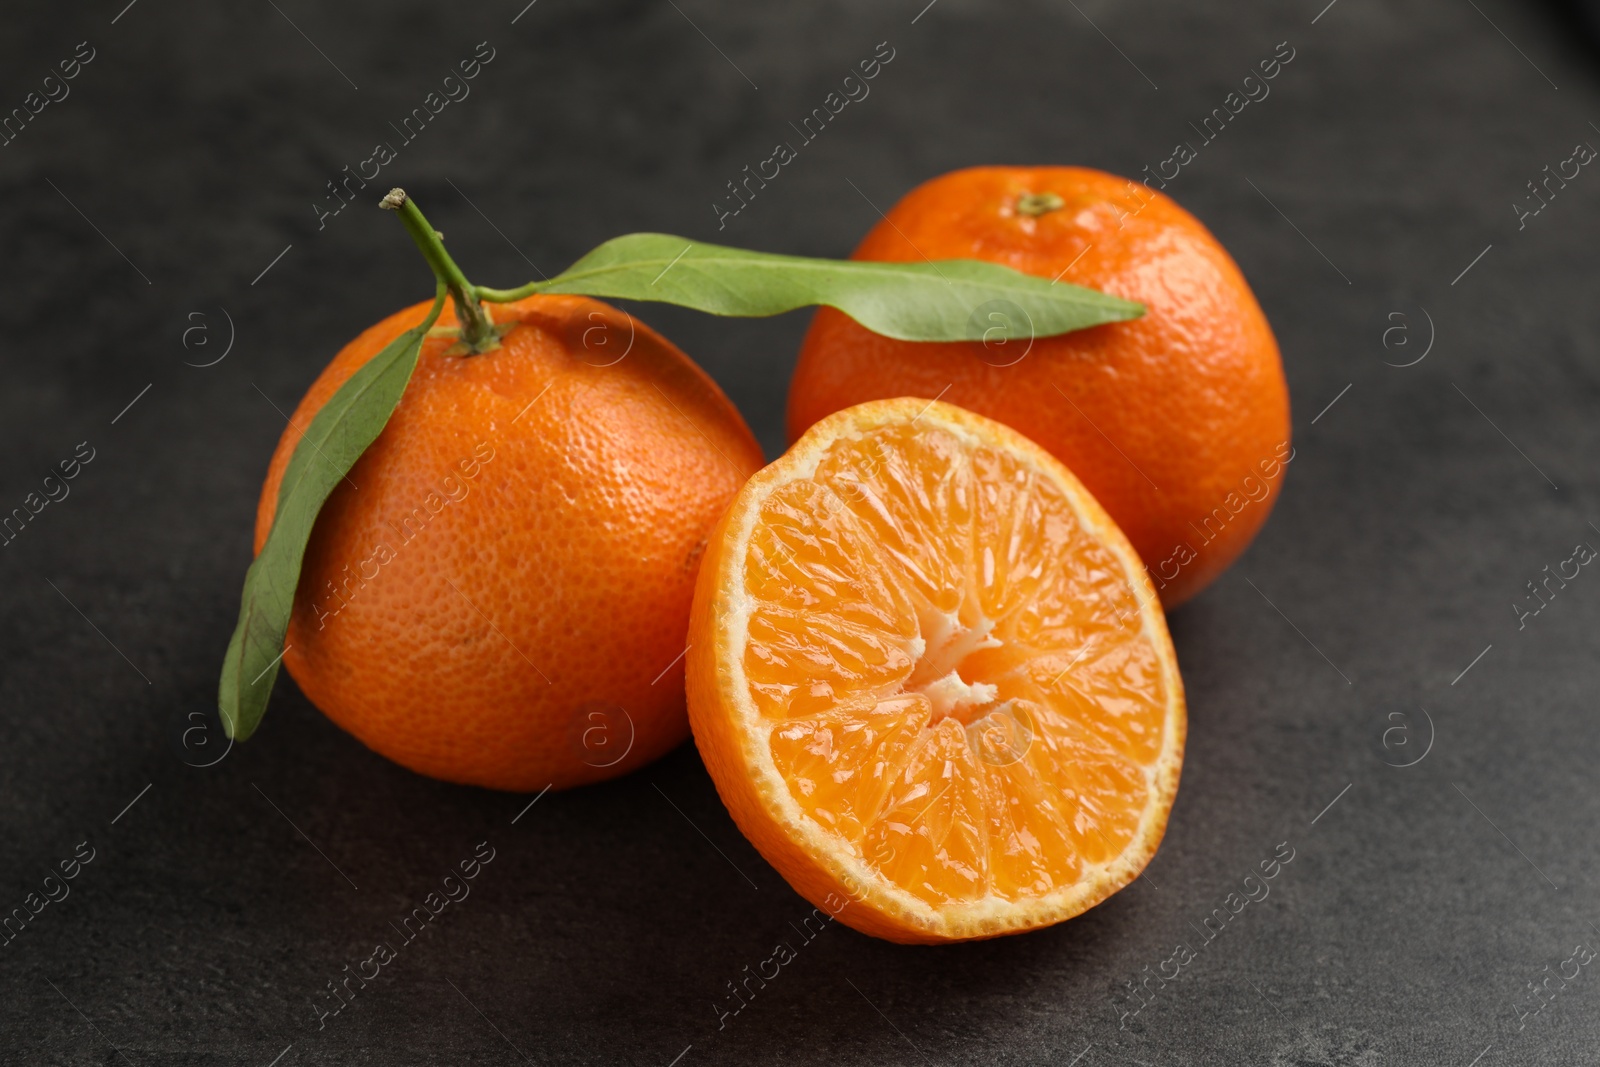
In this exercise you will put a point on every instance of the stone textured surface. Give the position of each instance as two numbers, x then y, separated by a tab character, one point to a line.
1417	909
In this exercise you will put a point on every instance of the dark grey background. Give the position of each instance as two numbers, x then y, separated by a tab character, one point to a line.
1408	926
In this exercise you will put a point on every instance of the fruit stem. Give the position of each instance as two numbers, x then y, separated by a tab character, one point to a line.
1035	204
477	330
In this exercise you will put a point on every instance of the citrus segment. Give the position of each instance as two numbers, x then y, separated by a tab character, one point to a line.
931	679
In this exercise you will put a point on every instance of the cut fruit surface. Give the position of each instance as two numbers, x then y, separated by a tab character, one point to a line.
931	679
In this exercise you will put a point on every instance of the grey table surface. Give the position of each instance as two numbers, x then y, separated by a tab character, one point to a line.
1360	686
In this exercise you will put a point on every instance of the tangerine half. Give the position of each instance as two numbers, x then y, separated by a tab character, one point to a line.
931	679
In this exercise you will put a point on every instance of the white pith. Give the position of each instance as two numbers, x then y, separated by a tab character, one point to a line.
941	644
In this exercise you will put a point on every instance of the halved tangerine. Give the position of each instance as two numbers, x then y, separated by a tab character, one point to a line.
931	678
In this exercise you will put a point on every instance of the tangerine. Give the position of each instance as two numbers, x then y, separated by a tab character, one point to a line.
1177	422
498	594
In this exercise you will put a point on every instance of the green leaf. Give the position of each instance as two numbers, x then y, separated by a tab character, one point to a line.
944	300
948	300
341	431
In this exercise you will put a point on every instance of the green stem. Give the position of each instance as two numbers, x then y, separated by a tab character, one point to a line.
506	296
477	331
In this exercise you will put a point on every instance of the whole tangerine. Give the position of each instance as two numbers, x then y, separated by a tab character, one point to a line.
1177	422
498	594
